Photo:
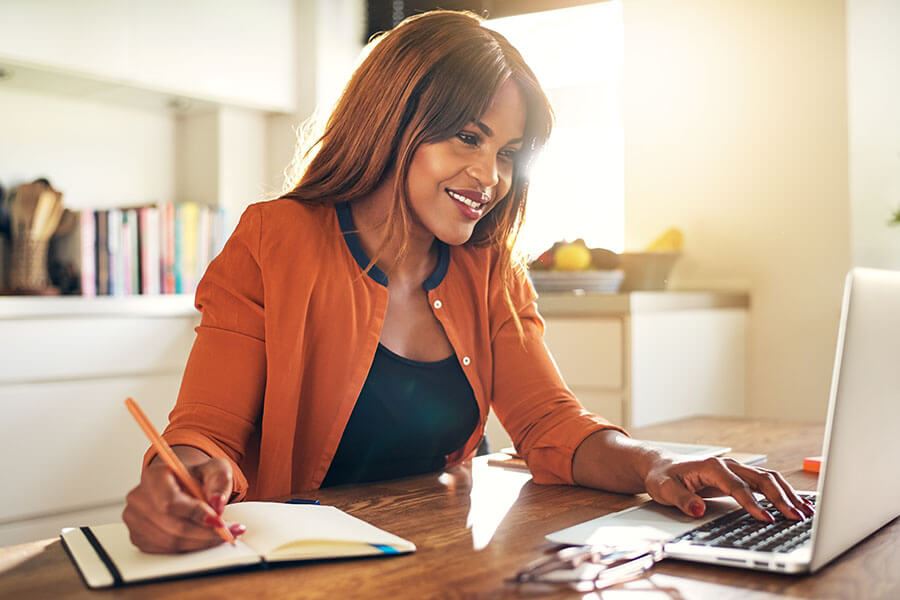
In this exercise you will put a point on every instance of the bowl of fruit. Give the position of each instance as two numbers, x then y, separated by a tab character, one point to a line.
569	266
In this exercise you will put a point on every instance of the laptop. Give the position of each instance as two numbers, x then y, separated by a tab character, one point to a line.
858	489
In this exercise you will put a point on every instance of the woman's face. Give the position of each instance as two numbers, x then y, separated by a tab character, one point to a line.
455	182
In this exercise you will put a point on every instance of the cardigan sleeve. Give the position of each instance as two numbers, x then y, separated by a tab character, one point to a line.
224	379
542	416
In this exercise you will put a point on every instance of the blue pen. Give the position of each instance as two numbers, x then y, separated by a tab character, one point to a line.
301	501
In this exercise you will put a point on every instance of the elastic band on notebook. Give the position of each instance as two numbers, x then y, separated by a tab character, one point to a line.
98	548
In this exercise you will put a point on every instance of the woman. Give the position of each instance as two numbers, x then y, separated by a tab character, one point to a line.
361	326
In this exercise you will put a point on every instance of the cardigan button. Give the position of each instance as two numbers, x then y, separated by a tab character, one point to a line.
466	360
438	304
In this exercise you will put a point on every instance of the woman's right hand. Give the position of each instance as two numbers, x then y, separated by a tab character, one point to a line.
163	518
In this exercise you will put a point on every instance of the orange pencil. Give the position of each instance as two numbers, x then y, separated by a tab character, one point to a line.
171	460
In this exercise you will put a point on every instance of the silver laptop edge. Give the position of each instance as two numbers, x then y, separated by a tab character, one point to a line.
858	490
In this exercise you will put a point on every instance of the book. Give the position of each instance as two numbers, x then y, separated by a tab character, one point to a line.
102	252
178	248
114	244
88	226
189	214
275	533
148	217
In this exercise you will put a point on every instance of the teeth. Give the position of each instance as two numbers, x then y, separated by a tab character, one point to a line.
464	200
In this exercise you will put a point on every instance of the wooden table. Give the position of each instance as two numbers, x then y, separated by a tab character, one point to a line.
476	525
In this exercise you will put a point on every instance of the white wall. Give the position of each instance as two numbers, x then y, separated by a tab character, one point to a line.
873	72
736	132
328	41
98	154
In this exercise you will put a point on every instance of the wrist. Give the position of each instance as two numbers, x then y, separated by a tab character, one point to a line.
610	460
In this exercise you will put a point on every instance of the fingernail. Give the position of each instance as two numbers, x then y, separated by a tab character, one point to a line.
769	516
237	529
696	508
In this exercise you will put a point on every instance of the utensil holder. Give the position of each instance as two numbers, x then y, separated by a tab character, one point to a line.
28	268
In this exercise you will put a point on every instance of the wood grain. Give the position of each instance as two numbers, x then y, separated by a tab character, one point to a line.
477	525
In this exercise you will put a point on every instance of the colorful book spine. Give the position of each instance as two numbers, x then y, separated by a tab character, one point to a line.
134	240
167	223
151	260
114	242
190	218
178	245
88	226
125	246
102	253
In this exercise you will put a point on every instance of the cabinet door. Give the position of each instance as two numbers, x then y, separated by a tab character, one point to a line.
47	349
687	363
72	444
588	351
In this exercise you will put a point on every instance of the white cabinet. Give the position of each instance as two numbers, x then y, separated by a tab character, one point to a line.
69	450
239	53
88	36
647	357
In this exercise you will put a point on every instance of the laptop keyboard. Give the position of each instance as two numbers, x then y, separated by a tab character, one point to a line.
740	530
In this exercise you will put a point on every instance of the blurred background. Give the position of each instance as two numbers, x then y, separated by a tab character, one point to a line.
724	161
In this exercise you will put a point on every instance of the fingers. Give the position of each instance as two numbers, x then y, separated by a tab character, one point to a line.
774	487
739	481
162	517
673	492
714	472
216	480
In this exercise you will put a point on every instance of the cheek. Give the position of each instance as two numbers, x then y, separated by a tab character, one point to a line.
431	166
505	183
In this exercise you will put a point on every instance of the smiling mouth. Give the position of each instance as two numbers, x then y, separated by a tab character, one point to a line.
466	200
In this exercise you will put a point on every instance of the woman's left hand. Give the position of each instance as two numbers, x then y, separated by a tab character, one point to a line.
679	483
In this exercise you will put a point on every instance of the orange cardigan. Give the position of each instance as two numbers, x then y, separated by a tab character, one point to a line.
289	328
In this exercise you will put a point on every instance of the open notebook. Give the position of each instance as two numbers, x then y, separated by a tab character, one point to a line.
275	533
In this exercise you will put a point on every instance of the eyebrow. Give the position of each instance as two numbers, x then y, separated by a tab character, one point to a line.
490	132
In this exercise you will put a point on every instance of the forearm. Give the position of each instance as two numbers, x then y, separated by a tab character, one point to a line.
611	461
188	455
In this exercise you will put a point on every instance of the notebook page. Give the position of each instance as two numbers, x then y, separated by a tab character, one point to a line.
271	525
135	565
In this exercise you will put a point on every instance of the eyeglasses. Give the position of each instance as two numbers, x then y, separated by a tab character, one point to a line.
590	568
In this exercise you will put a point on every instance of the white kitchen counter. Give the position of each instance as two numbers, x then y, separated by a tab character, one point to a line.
588	304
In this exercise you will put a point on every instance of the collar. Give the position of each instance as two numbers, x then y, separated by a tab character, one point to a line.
351	236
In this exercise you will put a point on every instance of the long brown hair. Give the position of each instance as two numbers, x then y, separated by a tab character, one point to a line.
421	83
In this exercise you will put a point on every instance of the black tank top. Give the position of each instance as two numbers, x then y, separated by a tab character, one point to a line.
408	417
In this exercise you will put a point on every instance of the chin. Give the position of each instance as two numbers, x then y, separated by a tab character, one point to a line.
455	238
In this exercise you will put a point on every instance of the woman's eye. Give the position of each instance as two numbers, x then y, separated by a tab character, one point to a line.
470	139
509	154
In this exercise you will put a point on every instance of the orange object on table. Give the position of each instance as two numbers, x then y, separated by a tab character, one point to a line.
811	464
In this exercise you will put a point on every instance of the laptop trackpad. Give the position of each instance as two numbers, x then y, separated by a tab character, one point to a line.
649	522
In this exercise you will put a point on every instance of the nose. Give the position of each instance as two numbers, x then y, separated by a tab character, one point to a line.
484	169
